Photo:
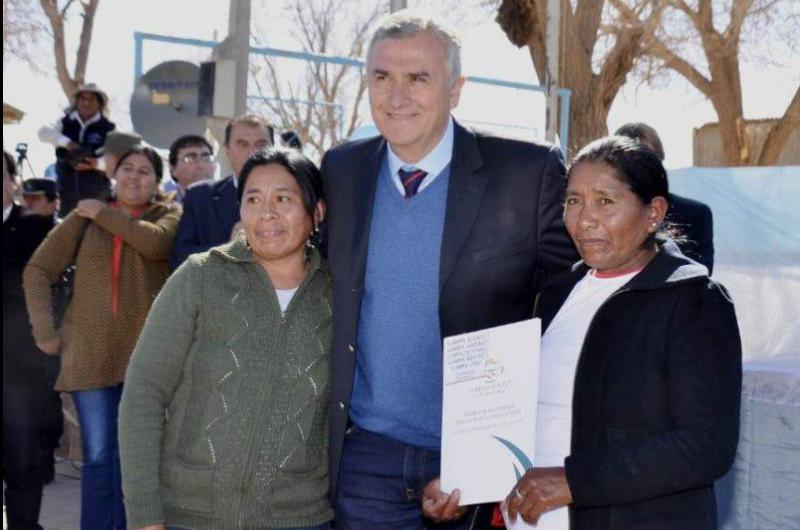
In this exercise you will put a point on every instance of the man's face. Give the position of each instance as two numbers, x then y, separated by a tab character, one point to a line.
88	105
410	93
244	141
195	163
39	205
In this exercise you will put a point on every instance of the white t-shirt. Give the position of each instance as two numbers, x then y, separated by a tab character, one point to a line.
284	297
560	350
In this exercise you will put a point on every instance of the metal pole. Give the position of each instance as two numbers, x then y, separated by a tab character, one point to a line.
239	35
235	47
552	81
137	64
397	5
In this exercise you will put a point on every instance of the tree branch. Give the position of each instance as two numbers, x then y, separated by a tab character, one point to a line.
780	132
82	57
659	50
54	16
739	11
618	62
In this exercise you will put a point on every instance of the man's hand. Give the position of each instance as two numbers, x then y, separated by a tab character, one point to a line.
89	208
440	506
238	227
50	347
153	527
539	490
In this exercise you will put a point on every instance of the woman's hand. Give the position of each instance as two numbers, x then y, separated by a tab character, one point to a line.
539	490
89	208
50	347
440	506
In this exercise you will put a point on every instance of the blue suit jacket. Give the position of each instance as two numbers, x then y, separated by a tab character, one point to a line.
693	219
210	210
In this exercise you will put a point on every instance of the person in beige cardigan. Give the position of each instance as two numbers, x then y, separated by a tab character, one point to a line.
120	250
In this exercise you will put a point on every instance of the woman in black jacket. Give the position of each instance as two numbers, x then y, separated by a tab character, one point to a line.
655	351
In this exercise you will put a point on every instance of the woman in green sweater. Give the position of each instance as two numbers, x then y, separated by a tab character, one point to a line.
223	418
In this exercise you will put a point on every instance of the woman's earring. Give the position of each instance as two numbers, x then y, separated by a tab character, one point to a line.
313	237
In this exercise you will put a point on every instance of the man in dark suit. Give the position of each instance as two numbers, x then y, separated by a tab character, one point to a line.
26	394
40	198
210	209
692	218
434	230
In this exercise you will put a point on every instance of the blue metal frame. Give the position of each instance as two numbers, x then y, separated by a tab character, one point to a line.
140	37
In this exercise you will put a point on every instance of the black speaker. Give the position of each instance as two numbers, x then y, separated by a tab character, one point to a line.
205	89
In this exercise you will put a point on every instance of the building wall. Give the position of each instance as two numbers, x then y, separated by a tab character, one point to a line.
707	144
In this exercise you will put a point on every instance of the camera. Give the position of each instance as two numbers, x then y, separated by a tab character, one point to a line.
22	151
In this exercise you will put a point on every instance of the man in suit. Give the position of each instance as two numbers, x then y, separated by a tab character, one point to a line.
40	197
434	230
210	209
26	394
691	218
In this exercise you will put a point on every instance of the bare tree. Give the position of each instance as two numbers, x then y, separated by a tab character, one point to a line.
23	29
695	41
599	47
56	16
26	27
321	103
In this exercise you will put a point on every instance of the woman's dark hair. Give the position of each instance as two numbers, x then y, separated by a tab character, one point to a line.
637	166
303	170
635	163
150	154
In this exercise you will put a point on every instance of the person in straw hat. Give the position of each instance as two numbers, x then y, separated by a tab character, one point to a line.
77	137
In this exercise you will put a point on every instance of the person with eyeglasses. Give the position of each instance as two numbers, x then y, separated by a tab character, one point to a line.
210	209
191	159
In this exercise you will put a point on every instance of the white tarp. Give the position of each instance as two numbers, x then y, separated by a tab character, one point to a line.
757	257
757	251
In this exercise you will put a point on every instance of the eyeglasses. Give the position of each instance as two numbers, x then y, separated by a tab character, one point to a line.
205	158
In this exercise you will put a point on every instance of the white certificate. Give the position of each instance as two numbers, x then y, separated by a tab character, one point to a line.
491	387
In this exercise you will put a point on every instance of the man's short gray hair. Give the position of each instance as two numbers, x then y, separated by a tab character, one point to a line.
406	23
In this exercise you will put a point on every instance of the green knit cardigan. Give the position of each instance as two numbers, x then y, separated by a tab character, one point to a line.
223	419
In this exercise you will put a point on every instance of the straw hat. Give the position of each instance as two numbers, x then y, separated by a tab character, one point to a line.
94	89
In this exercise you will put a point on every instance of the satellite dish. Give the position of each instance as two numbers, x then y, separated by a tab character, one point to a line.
164	103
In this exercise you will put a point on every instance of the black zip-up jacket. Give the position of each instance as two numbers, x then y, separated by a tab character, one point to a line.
656	398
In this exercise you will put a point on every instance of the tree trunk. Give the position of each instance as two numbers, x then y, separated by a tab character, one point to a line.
726	96
587	112
780	132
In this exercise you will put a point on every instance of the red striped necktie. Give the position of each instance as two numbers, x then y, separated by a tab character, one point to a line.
411	180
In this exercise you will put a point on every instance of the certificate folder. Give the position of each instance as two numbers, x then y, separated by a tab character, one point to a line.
491	387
